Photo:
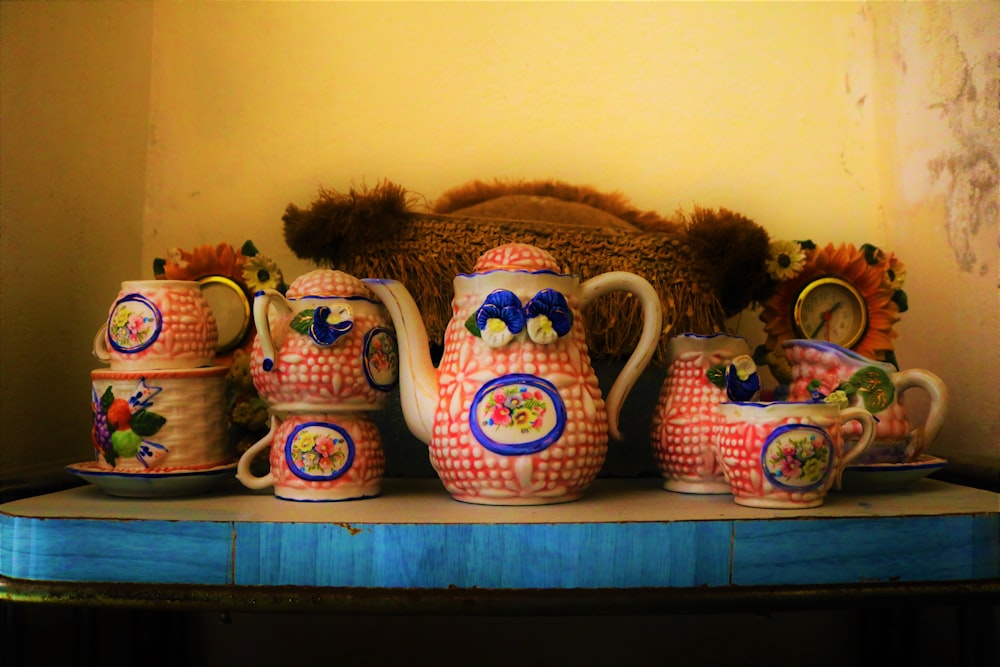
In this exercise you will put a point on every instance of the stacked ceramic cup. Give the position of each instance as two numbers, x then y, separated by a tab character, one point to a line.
324	356
159	409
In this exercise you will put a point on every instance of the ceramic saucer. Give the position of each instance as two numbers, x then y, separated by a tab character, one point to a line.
155	484
889	476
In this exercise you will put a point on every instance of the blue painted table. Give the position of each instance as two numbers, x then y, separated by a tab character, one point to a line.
626	540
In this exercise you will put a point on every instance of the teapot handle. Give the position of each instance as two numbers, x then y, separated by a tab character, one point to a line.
924	435
261	302
652	325
243	472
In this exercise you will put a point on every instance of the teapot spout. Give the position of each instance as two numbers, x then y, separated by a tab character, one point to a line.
418	380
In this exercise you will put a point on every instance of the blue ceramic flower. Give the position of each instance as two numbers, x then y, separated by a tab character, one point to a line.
742	381
549	316
500	318
325	330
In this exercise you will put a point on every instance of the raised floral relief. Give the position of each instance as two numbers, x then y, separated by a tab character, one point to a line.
546	316
122	427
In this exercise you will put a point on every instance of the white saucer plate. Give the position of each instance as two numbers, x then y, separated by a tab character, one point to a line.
153	484
889	476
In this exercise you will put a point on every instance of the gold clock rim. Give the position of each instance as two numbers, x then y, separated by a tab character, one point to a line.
839	282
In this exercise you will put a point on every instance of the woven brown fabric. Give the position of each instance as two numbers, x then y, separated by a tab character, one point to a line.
428	251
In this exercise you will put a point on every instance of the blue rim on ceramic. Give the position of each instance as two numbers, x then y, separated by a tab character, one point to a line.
539	272
149	331
379	378
312	458
517	414
813	449
840	349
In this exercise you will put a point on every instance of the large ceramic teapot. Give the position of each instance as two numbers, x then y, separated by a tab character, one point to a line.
513	414
326	344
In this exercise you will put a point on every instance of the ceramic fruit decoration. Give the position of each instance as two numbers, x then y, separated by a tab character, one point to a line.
513	414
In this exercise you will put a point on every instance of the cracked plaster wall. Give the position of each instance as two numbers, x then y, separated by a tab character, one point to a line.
936	85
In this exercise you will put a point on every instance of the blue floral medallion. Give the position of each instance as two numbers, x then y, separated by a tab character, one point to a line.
797	457
134	324
517	414
381	359
319	451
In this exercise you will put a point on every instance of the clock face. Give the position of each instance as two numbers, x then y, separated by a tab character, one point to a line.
831	309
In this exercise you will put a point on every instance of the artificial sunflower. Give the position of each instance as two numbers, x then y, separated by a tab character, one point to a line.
865	268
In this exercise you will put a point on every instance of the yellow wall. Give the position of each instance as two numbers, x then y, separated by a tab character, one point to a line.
130	128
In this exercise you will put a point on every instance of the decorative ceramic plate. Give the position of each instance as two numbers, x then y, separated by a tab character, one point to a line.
179	482
231	308
889	476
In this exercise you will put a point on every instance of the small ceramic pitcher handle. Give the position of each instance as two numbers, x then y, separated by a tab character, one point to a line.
261	302
867	437
922	436
243	473
652	325
101	344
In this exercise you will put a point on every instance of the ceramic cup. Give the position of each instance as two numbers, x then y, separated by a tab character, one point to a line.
786	455
318	457
158	324
166	420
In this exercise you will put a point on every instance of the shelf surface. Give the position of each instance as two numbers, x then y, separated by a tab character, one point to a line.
624	534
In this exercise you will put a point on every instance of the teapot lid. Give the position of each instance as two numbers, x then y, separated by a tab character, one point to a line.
328	283
516	257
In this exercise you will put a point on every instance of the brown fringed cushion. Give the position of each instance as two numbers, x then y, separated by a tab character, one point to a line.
375	234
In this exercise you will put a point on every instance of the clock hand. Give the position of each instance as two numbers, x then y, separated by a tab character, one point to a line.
827	315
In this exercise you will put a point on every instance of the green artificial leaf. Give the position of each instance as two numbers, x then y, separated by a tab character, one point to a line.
147	423
107	398
717	375
871	253
159	266
875	388
760	355
890	357
807	244
813	386
110	455
302	322
472	326
899	298
249	249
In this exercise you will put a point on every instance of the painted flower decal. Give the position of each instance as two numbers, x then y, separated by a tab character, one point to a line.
549	316
499	319
785	259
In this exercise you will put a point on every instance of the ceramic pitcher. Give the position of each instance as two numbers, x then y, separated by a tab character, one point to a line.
688	411
513	414
877	386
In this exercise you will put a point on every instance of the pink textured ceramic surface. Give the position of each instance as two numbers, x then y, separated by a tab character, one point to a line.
559	472
158	324
357	370
513	414
320	457
161	420
785	455
688	411
896	440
